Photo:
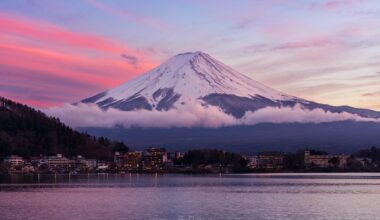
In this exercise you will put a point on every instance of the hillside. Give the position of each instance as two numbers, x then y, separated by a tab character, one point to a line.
27	132
335	137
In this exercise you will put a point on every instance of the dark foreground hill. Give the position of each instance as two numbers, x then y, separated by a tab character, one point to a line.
344	137
27	132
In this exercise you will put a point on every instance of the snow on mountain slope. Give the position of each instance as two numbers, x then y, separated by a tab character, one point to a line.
198	78
193	75
183	79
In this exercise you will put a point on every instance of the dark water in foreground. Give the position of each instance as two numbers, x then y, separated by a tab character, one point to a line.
185	197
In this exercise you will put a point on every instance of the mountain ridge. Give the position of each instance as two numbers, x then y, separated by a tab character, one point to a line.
336	137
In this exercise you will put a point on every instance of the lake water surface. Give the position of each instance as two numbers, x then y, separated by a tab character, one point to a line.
191	197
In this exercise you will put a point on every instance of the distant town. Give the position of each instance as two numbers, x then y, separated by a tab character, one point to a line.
158	160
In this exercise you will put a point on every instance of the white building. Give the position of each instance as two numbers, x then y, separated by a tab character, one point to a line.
102	166
91	163
57	162
81	162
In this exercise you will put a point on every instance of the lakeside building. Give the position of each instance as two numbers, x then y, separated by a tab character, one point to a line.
154	159
118	159
133	160
91	163
82	164
159	160
102	166
57	163
13	161
270	161
177	155
324	161
252	161
129	161
28	168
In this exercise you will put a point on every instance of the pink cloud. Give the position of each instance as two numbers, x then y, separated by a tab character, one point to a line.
32	50
45	32
39	30
61	65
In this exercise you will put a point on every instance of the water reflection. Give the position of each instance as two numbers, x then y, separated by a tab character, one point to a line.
142	196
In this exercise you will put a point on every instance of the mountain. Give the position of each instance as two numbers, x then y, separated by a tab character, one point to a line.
198	79
27	132
190	78
334	137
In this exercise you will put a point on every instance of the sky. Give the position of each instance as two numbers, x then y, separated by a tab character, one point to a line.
57	52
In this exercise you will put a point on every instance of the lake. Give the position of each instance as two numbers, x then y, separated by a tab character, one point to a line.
191	197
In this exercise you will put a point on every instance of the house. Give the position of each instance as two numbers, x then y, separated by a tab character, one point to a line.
133	160
177	155
270	161
91	163
13	161
118	159
28	168
252	161
154	158
324	160
102	166
57	163
82	163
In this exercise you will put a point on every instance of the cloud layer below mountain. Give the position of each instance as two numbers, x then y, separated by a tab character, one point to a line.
90	115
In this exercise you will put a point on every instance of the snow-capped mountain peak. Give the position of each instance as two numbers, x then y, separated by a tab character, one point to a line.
196	77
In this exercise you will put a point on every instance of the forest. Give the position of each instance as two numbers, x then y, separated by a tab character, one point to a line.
27	132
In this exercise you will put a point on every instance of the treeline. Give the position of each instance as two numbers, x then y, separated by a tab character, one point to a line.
372	153
27	132
361	161
213	157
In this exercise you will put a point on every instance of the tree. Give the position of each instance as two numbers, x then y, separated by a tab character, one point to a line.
334	161
120	147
